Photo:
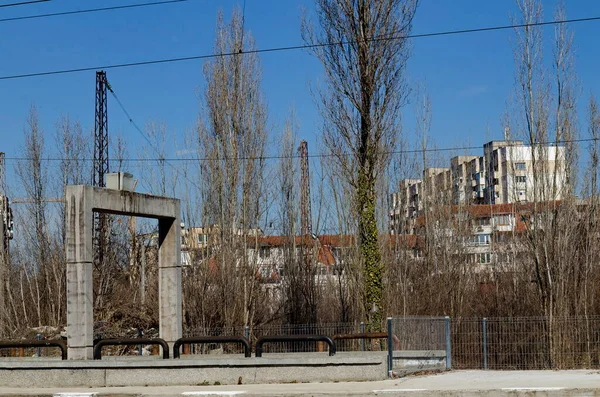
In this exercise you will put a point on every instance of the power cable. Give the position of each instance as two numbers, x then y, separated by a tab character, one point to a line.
22	3
317	155
292	48
55	14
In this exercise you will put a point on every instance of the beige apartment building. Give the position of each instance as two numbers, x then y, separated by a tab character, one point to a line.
519	173
503	175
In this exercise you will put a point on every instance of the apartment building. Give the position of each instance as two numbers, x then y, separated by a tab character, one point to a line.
490	237
519	173
508	172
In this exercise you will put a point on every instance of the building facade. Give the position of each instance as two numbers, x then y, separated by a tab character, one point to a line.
508	172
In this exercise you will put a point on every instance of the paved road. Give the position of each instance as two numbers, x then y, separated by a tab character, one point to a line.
455	383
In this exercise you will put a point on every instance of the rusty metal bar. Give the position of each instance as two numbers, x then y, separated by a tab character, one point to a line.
295	338
98	345
36	343
212	339
362	335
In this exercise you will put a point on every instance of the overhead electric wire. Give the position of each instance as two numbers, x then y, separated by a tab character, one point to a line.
85	11
317	155
291	48
22	3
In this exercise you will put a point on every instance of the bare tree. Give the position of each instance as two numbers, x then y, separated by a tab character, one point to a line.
120	154
546	113
364	66
288	204
163	178
232	134
566	82
33	176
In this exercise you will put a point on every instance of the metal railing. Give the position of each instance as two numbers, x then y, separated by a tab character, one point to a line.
470	343
256	332
26	343
212	339
98	345
294	339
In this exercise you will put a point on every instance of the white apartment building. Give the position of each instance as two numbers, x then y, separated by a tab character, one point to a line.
511	177
504	174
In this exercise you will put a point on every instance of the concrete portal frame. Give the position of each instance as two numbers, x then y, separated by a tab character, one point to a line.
81	202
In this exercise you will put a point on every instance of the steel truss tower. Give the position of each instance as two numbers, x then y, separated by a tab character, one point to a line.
305	210
101	165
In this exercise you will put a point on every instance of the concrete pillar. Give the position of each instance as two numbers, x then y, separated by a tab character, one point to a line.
79	255
169	281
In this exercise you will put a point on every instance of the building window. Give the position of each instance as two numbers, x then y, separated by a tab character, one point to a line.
202	238
520	179
481	222
501	220
264	252
500	238
484	258
520	166
482	239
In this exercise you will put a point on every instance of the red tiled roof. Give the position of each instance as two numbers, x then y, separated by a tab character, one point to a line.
336	240
482	210
488	210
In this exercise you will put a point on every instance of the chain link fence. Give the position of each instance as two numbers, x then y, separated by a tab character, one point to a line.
526	343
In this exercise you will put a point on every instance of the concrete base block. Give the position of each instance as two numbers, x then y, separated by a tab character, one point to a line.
51	378
411	361
192	372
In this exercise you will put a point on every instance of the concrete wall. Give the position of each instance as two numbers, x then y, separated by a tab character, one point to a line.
226	370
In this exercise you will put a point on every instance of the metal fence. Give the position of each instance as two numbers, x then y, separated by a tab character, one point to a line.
418	343
526	343
473	343
419	333
31	351
253	333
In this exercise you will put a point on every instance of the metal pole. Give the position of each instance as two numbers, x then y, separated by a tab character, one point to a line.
485	351
140	333
143	273
3	248
390	345
39	350
362	340
247	332
448	344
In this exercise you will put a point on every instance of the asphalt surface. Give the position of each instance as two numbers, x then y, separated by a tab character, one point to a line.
454	383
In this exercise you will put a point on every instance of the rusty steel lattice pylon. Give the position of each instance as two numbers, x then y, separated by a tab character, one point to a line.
305	210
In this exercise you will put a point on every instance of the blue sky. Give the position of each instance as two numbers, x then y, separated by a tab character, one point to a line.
469	77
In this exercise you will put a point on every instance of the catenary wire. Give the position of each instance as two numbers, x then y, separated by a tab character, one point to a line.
291	48
317	155
85	11
22	3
